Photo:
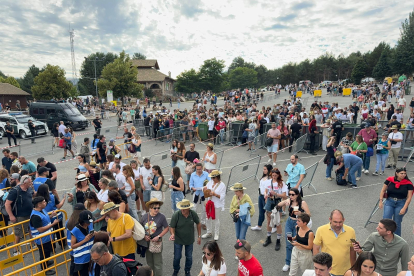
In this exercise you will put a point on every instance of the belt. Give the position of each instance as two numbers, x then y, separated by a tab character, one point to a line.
396	199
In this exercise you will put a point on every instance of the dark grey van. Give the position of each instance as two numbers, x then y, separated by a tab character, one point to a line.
50	112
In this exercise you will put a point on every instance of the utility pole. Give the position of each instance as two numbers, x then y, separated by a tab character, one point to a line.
94	62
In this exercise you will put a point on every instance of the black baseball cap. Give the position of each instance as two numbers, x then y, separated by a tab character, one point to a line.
85	216
42	170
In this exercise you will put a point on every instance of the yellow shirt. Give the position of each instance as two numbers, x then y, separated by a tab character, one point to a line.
245	198
117	228
339	247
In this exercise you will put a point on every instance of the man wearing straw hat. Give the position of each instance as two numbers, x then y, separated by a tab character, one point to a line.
182	233
215	192
119	228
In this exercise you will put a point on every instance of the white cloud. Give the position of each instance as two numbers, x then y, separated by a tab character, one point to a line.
181	34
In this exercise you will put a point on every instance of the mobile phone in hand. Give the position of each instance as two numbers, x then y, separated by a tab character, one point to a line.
354	241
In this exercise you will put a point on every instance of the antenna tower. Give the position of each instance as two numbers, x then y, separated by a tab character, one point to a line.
72	52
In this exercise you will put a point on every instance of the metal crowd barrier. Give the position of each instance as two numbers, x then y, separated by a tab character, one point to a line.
259	142
21	264
243	171
309	174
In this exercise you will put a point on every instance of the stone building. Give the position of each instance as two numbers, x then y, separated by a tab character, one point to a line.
150	76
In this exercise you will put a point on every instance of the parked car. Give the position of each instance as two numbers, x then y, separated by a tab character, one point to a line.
325	83
20	124
50	112
367	80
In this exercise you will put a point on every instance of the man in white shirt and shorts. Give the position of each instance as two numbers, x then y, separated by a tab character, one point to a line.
272	150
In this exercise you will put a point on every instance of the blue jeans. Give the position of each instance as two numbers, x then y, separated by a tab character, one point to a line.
290	226
241	229
329	167
178	251
392	210
176	196
351	173
261	203
381	160
367	162
173	164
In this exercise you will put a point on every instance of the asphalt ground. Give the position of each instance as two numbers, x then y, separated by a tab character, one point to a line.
356	204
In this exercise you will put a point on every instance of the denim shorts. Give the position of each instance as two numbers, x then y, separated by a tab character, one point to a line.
273	148
146	195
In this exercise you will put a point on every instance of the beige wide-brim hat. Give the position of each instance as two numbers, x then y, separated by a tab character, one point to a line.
154	200
210	145
184	204
109	207
215	173
237	187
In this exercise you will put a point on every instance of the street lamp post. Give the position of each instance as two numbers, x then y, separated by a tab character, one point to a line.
96	81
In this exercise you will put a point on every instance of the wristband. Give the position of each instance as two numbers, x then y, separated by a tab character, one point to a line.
113	239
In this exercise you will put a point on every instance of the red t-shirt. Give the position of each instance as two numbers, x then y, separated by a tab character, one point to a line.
251	267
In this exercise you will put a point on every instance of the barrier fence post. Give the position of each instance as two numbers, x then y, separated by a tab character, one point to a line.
376	208
309	174
299	144
243	171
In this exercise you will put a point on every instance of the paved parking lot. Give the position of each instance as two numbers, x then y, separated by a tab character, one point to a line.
356	204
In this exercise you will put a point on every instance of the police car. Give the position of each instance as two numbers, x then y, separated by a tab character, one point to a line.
20	125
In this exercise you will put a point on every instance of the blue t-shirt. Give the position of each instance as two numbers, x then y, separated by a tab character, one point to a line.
351	160
68	141
294	172
29	166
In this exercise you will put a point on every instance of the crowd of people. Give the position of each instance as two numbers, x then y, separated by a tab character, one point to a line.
110	198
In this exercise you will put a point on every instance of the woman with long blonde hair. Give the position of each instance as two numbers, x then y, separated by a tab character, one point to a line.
129	188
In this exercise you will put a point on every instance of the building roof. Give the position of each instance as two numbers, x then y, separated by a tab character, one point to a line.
145	63
8	89
150	74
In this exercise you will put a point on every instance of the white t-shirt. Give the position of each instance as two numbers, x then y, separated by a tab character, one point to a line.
122	164
136	173
264	183
210	125
220	190
145	174
103	195
128	186
206	268
402	101
397	135
120	179
277	189
399	116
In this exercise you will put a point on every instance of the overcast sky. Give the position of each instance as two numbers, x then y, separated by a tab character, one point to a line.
181	34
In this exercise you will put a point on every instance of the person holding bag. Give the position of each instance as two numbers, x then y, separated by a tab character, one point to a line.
274	193
215	192
156	183
156	226
266	177
313	131
383	146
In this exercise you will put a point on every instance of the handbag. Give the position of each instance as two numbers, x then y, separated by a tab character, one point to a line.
269	142
174	157
154	246
245	134
189	169
132	148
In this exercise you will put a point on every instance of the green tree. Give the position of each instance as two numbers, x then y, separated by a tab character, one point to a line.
371	58
262	76
239	62
188	82
359	71
120	77
51	83
10	80
2	75
139	56
211	74
383	68
86	82
243	77
73	92
404	52
27	81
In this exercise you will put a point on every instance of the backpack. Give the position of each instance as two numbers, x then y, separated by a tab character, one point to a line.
138	232
339	174
130	264
132	148
3	198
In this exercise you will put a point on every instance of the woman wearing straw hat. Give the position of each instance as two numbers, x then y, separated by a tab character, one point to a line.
182	233
77	194
215	192
156	226
241	208
210	158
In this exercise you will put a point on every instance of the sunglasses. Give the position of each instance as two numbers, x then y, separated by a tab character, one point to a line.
208	254
241	244
292	194
156	208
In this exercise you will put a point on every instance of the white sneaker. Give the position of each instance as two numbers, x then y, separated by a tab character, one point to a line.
274	164
16	253
256	228
329	178
216	237
366	172
207	235
358	178
285	268
270	160
274	230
